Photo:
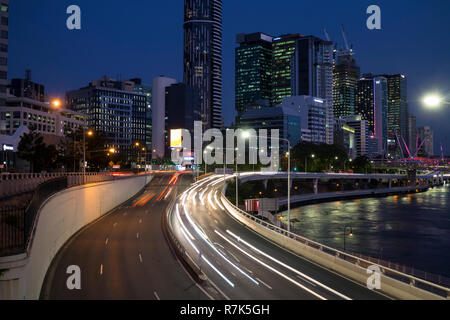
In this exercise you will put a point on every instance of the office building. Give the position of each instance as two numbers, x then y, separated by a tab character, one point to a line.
113	108
146	89
203	56
286	120
26	88
371	105
183	108
312	74
4	29
313	114
159	134
426	136
345	77
344	136
42	117
253	70
283	50
361	128
397	109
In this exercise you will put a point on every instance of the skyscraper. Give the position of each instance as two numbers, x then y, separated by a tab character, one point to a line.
4	22
283	49
203	56
371	104
397	112
146	89
345	77
253	70
312	74
427	137
159	134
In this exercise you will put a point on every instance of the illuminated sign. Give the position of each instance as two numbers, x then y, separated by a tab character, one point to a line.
8	147
318	100
176	138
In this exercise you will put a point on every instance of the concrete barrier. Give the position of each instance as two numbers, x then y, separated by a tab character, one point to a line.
60	217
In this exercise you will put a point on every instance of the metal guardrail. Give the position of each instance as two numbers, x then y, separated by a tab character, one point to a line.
16	224
392	271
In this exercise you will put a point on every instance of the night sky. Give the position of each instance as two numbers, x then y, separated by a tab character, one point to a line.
144	38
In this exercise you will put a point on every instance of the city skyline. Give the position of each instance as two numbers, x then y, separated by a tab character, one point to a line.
373	49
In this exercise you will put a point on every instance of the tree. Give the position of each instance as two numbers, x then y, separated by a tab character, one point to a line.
317	157
361	165
33	149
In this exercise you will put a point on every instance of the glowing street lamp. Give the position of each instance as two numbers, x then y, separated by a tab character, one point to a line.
434	101
56	103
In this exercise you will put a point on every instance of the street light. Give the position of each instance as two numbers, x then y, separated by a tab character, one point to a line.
246	135
434	101
350	234
56	103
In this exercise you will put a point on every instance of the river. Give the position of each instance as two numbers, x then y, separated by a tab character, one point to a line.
413	230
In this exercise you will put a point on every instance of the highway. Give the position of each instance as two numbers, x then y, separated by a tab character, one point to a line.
244	265
125	255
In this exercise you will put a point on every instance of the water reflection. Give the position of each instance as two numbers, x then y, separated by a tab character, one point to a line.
409	229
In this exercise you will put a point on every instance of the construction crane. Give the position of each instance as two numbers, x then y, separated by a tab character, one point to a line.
344	35
327	36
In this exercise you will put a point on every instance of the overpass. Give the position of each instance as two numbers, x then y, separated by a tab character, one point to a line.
248	258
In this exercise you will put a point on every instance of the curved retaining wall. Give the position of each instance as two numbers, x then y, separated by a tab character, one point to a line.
60	217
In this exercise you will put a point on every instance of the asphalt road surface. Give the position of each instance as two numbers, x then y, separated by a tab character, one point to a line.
244	265
125	255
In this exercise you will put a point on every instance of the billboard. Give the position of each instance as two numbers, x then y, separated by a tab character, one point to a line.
176	138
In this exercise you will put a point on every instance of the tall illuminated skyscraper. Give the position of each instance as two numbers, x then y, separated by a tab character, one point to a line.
253	70
203	56
283	48
345	77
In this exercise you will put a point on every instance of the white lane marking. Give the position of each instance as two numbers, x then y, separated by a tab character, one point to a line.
238	239
271	268
101	269
137	235
156	295
204	237
217	222
264	283
106	241
140	257
301	278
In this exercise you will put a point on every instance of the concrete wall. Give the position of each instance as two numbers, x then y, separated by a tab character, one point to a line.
61	216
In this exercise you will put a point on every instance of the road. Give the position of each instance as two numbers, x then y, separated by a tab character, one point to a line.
125	255
242	264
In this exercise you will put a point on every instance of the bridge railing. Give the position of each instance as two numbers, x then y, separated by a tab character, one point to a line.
12	184
434	284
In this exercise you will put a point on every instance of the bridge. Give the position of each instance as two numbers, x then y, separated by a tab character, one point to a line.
241	255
